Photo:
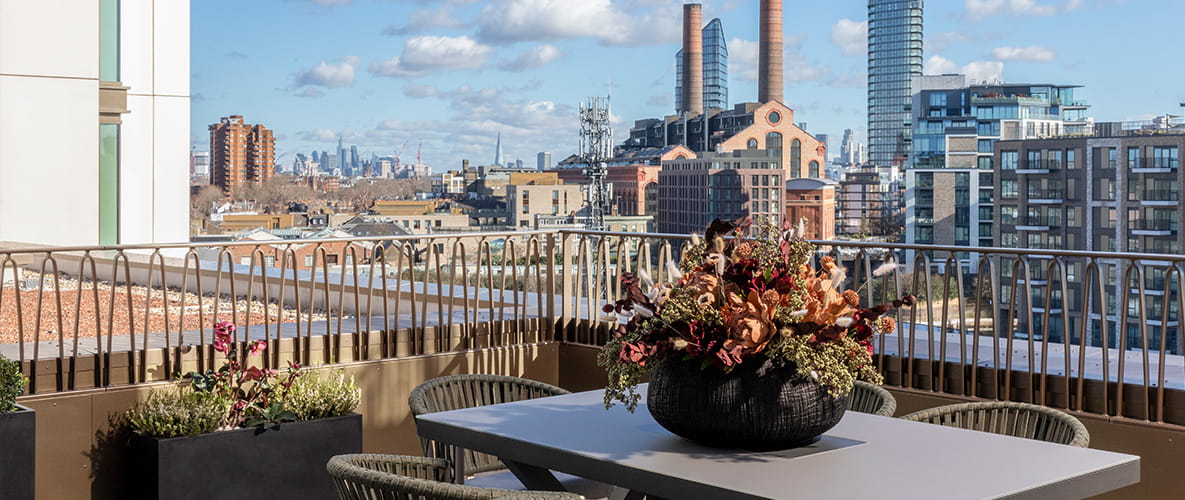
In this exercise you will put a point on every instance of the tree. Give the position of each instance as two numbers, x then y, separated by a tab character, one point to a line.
201	203
274	195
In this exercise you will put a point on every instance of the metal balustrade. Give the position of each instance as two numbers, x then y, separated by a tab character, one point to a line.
995	323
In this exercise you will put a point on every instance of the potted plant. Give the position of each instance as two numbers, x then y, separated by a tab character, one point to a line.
242	431
18	426
748	346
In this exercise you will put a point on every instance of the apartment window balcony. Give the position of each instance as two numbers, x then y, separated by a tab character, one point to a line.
1153	227
1039	166
1036	224
1161	197
1046	196
1155	166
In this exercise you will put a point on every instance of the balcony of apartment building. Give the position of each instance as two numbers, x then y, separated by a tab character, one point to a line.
94	328
1153	227
1046	196
1153	165
1036	167
1160	197
1038	223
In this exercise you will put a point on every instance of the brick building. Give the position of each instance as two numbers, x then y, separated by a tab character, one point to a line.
814	201
694	191
240	153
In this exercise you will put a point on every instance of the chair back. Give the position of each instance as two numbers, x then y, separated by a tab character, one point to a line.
874	399
1009	418
395	477
455	392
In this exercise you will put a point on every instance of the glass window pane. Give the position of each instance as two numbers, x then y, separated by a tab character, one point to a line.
109	40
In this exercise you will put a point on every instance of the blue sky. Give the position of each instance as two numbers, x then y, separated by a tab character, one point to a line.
452	74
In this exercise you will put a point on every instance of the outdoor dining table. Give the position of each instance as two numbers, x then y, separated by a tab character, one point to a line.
864	456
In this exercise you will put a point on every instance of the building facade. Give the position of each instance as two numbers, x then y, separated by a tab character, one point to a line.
866	201
695	191
528	203
894	58
240	153
949	186
1103	193
812	201
104	87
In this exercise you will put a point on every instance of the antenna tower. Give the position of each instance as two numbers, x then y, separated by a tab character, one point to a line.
595	149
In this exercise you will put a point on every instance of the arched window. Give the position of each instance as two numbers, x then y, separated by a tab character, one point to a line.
796	158
752	144
773	144
814	173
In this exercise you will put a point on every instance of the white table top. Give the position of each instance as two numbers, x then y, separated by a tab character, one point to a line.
865	456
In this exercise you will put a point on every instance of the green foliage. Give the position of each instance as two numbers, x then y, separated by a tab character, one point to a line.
12	384
177	411
836	365
313	396
623	377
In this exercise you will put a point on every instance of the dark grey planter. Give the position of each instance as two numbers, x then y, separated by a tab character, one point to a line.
284	462
18	449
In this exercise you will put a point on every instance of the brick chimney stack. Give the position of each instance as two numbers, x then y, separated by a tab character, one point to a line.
769	81
693	58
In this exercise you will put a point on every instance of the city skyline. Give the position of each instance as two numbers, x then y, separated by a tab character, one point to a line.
454	74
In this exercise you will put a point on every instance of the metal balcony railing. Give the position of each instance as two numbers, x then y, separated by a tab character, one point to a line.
1046	194
1161	195
95	317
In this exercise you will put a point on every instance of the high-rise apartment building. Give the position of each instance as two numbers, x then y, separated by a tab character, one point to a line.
105	87
894	58
715	68
949	186
240	153
1116	191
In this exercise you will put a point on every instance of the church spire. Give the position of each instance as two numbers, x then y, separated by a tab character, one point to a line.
498	151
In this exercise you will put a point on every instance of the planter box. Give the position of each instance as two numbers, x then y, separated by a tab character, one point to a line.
284	462
18	447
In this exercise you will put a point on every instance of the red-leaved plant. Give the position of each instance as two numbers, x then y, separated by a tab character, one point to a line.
255	394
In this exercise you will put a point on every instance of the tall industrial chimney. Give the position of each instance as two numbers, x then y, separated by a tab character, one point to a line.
693	58
769	82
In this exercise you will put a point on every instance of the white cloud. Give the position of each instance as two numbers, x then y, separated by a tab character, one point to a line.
850	36
318	135
743	58
538	57
329	75
424	19
624	23
979	9
984	71
977	72
1032	53
938	65
424	54
743	61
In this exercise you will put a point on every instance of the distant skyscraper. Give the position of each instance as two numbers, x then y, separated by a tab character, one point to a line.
240	153
715	63
341	155
894	58
544	160
355	162
498	151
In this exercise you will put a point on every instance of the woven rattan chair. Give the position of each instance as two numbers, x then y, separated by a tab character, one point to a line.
874	399
1009	418
394	477
455	392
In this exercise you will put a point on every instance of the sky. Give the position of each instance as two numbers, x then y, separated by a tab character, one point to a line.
442	78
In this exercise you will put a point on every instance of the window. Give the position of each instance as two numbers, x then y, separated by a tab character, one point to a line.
1008	215
1164	157
1008	190
938	99
1071	158
109	40
1133	157
925	179
985	145
1112	158
1008	160
814	169
752	144
985	162
1033	159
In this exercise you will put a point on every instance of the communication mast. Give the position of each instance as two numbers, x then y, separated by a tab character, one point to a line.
596	147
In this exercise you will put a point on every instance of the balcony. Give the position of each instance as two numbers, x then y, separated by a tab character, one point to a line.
1161	198
1037	224
1154	166
1046	196
1038	167
1146	227
99	325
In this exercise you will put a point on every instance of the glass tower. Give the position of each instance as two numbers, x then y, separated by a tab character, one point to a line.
894	57
715	69
715	66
